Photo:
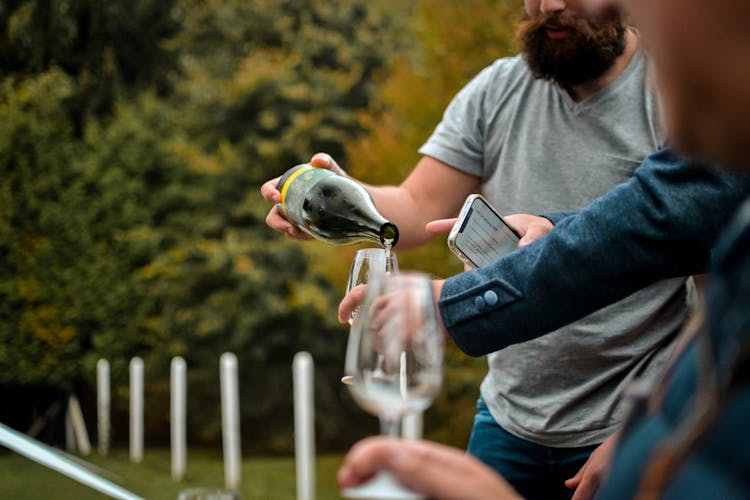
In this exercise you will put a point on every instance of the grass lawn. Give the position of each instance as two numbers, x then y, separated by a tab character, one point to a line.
262	478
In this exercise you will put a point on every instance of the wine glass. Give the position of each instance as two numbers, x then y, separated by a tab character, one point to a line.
368	263
398	322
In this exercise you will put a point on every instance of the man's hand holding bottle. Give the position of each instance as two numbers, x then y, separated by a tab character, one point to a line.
275	220
530	227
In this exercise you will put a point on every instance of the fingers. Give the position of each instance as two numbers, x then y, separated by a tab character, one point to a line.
364	459
588	479
440	226
277	222
438	471
274	219
574	481
321	160
586	488
530	227
324	160
446	473
519	222
535	231
269	191
350	302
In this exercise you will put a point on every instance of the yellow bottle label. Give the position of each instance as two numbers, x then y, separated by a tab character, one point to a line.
288	183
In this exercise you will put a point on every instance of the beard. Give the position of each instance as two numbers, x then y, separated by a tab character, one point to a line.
590	48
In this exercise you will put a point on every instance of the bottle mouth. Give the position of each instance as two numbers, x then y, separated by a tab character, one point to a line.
388	234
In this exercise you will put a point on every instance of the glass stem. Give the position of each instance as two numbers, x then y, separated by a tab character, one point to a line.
390	426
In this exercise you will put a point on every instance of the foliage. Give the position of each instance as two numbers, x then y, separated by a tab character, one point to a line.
133	139
279	80
60	277
264	84
109	48
131	219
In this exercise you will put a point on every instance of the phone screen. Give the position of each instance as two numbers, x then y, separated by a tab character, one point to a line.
484	236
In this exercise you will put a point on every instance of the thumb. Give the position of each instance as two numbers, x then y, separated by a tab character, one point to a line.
324	160
440	226
532	234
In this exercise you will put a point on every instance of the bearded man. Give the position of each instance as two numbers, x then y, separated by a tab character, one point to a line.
544	132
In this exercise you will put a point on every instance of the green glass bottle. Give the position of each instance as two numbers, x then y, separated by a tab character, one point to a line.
332	208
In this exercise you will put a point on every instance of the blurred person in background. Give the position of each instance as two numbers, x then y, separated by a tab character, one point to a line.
686	435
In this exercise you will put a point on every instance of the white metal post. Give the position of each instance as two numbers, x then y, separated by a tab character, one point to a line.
304	425
178	416
79	426
411	425
230	420
136	410
103	405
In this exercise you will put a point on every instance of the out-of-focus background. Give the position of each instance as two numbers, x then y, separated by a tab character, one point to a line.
134	137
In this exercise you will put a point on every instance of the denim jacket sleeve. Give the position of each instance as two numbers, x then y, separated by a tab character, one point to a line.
555	217
660	224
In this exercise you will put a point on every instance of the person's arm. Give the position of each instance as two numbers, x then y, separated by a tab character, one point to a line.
660	224
437	471
433	190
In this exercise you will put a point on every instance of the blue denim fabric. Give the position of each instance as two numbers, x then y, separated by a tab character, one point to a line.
535	471
718	465
662	223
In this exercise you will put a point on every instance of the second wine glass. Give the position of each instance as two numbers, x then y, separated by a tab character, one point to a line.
369	263
395	356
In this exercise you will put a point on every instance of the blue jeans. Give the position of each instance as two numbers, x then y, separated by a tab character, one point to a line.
535	471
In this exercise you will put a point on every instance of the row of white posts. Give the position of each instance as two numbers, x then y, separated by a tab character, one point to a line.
304	419
230	415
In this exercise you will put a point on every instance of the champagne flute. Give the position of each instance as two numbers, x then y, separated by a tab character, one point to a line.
368	263
398	322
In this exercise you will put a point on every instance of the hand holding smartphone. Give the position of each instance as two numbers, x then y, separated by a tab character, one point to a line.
480	235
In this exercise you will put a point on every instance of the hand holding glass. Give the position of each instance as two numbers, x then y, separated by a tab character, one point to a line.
398	323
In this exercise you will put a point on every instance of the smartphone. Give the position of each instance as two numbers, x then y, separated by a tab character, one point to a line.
480	235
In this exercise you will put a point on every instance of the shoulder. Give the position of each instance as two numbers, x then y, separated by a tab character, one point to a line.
498	79
504	69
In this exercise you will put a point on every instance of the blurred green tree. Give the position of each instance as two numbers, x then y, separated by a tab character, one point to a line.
131	219
133	138
264	85
281	79
64	64
109	48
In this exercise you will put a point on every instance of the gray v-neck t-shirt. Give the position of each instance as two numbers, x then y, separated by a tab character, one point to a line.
538	151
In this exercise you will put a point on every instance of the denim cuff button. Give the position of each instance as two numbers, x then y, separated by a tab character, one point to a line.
490	297
479	302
